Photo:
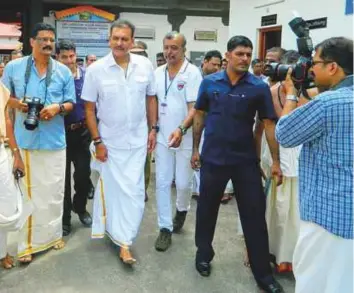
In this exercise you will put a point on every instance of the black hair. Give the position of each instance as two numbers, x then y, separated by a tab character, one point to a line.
279	50
121	23
211	54
160	54
339	50
41	26
237	41
290	57
256	61
65	45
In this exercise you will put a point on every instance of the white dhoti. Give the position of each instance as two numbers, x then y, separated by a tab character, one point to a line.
119	199
168	162
282	216
323	262
10	200
43	186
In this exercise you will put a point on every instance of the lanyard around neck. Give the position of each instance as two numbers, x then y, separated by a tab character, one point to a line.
167	88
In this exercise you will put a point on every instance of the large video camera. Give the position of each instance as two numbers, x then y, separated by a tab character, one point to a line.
300	71
34	108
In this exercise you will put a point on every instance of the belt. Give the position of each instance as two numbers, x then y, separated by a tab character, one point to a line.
77	125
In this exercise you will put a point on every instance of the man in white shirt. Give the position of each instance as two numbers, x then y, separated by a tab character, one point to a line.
123	87
177	88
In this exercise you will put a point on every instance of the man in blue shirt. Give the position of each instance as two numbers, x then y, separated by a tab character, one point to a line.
40	134
227	104
78	141
323	257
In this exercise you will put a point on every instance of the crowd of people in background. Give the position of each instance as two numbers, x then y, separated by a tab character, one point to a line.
215	131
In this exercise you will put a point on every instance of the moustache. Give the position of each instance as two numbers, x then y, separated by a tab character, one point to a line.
47	48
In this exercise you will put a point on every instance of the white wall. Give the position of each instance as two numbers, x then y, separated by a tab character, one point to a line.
245	19
162	27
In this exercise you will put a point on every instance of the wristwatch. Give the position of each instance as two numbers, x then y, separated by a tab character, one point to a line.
155	127
183	129
62	109
292	98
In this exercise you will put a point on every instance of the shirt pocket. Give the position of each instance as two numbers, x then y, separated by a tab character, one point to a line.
111	89
140	85
239	106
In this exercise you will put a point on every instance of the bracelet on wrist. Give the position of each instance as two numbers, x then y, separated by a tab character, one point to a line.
97	142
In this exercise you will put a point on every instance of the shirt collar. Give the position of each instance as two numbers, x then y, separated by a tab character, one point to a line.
348	81
111	62
247	77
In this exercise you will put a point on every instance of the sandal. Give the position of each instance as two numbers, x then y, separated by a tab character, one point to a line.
26	259
7	262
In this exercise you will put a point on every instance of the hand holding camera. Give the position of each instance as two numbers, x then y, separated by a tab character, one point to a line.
48	112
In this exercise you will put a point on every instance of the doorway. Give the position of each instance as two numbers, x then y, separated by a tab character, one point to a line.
268	38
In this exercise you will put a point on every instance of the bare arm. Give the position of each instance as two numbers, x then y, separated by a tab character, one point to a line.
269	126
152	110
258	132
198	126
90	111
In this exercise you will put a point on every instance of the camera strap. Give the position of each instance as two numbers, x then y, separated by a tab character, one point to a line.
48	77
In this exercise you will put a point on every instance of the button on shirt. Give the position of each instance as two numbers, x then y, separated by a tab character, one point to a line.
231	110
173	97
49	135
325	128
78	113
121	100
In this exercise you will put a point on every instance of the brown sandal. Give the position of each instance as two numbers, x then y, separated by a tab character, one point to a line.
26	259
7	262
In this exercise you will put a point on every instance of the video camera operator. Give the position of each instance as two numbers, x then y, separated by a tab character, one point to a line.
42	91
323	256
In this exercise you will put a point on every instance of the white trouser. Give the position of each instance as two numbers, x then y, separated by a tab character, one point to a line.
167	163
323	262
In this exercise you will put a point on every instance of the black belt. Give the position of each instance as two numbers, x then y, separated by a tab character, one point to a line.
77	125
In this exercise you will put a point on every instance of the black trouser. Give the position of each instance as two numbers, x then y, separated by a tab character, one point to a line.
78	153
251	202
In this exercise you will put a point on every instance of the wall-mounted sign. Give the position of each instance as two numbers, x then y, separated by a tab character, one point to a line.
202	35
269	20
87	26
317	23
348	7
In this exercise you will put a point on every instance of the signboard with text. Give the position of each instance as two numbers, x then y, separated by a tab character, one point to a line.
87	27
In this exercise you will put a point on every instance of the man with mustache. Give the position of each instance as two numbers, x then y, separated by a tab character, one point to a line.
226	106
43	148
177	88
78	142
122	85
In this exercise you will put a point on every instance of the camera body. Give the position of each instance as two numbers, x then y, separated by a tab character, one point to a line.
301	75
34	107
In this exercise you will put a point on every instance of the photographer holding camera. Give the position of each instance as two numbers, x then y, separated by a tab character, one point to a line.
323	256
42	92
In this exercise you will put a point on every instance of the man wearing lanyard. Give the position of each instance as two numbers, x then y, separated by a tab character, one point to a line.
78	142
177	88
48	85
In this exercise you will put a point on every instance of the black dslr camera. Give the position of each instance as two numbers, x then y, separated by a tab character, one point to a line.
34	107
301	76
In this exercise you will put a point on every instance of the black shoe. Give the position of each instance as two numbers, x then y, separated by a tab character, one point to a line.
178	221
91	193
66	230
85	219
203	268
146	197
164	240
273	287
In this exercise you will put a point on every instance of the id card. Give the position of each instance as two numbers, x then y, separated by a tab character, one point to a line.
163	108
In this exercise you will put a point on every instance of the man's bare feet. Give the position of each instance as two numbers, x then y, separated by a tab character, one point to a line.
26	259
7	262
246	260
59	245
126	256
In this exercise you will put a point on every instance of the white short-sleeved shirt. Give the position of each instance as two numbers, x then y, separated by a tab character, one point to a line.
173	108
121	100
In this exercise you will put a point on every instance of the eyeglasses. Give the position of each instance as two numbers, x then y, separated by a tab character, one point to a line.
45	40
313	63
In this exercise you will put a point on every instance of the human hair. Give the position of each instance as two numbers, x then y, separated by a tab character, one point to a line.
339	50
16	52
140	44
88	56
237	41
212	54
290	57
279	50
256	61
41	26
160	54
121	23
173	35
65	45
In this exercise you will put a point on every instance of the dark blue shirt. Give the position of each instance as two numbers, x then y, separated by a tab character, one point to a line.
231	111
78	113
